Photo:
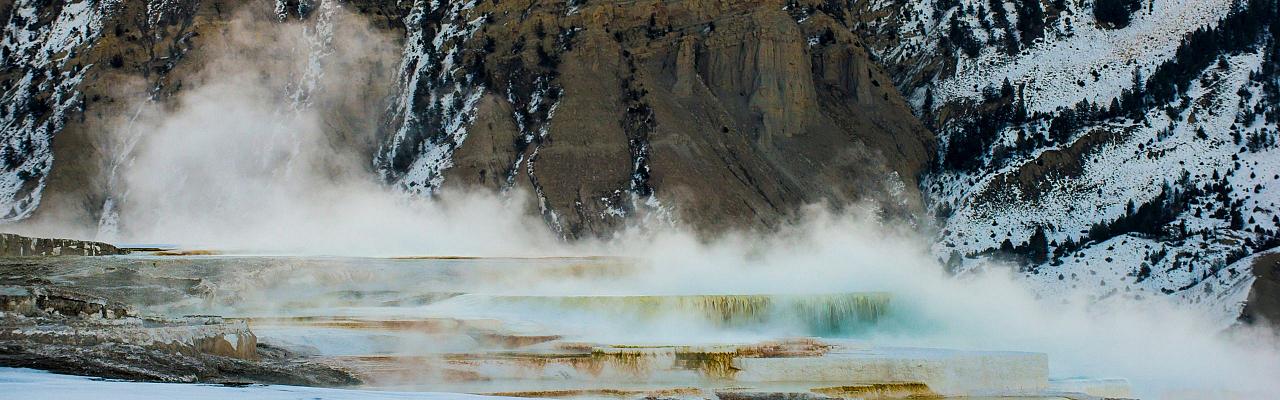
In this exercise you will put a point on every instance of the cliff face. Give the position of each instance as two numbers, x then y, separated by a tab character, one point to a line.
719	114
1263	301
89	76
1124	151
15	245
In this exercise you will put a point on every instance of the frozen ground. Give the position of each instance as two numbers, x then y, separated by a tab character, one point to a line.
31	384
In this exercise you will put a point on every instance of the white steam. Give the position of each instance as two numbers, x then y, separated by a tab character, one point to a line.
230	168
264	154
1164	349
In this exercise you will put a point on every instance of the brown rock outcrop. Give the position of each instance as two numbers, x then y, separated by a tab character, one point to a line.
731	114
718	114
1263	304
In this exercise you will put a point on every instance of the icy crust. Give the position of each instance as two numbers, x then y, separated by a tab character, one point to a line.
35	385
187	335
947	372
39	42
431	88
1136	162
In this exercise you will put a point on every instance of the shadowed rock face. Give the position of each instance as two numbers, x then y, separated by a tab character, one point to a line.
15	245
1263	305
727	114
717	114
139	59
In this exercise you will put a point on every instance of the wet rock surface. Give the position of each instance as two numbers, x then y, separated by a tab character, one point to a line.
111	360
62	327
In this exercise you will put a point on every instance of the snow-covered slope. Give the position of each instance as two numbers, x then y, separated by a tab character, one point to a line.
39	92
1128	160
437	98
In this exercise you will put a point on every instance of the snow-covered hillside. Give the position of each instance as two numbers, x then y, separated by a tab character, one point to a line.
1128	160
40	92
1079	60
435	95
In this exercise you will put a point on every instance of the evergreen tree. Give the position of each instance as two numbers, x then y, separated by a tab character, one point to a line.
1114	14
1030	21
1039	246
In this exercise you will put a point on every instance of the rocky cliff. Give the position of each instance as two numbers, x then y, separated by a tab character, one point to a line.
82	78
1125	148
719	114
15	245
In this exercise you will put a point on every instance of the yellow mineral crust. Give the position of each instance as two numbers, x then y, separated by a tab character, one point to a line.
895	390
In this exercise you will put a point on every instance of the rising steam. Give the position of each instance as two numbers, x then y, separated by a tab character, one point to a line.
239	164
270	152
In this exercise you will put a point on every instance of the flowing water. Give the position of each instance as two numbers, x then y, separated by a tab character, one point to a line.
584	328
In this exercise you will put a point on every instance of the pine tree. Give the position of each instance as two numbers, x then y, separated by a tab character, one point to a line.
1030	21
1039	250
1114	14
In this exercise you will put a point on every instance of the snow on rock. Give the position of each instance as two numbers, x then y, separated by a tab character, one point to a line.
436	101
1133	167
34	108
530	134
1085	62
191	334
1210	146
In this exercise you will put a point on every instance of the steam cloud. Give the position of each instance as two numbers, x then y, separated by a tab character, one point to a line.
235	166
259	157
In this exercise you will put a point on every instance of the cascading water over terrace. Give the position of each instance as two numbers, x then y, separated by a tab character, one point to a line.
817	314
